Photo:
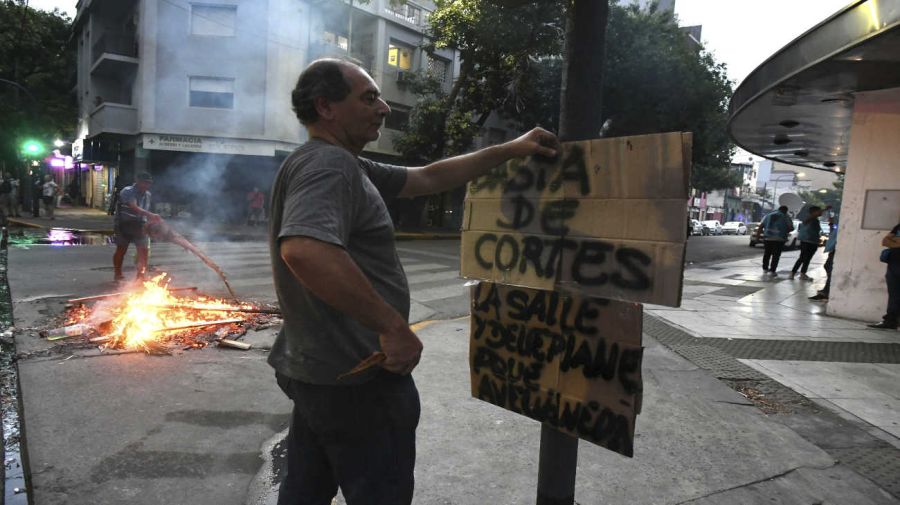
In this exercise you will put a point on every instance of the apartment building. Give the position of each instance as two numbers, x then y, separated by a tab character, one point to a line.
198	93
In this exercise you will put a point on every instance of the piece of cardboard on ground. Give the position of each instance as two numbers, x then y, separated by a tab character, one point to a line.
572	362
605	218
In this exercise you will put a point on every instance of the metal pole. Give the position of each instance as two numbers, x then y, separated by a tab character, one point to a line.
556	468
580	119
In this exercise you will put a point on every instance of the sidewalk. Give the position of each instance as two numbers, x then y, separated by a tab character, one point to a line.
72	218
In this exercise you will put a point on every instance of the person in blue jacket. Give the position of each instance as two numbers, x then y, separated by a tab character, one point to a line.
774	230
809	233
830	246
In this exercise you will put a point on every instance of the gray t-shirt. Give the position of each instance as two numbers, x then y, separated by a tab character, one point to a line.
324	192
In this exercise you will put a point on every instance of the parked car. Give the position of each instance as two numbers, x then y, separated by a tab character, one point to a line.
712	228
696	227
790	243
734	228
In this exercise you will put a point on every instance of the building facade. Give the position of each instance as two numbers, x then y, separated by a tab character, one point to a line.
198	94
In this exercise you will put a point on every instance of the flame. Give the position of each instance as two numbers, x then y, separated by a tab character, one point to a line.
143	318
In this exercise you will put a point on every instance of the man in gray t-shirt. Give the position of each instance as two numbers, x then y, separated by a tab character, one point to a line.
344	295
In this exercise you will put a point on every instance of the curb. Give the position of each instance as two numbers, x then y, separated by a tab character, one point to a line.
26	224
15	458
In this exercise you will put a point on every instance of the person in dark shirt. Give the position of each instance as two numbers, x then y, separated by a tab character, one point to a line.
892	242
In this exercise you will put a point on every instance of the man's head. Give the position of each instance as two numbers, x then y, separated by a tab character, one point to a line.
143	181
815	211
339	101
783	209
48	177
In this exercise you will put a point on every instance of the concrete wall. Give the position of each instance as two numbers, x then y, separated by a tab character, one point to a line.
241	57
858	289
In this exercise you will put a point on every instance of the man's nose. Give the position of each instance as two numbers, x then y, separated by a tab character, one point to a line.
385	109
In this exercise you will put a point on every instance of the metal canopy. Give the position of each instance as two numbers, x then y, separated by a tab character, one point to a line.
797	107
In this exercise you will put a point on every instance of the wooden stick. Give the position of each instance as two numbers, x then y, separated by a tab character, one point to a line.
373	360
207	308
95	298
227	342
200	325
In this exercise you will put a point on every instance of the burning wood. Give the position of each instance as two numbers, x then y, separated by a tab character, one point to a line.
153	317
200	325
88	299
227	308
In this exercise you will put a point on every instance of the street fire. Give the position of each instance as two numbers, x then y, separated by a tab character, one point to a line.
154	315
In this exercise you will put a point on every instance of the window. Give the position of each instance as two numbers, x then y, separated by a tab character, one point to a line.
334	39
213	92
213	20
407	12
398	119
400	56
438	68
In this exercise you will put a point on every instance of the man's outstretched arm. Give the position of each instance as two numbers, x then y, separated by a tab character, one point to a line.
332	275
452	172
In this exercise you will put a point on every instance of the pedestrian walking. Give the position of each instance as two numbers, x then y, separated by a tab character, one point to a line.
256	201
343	292
50	190
830	247
891	256
5	196
809	232
14	197
37	194
132	212
773	231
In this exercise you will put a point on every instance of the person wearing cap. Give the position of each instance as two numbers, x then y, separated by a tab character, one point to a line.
132	212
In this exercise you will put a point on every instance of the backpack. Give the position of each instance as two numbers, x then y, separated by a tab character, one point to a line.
5	187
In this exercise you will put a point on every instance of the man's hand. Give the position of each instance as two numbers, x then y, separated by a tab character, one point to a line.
402	348
538	141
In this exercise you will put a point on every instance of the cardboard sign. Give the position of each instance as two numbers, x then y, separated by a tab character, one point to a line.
606	219
556	359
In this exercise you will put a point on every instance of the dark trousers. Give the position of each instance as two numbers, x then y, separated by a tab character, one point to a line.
893	285
361	438
773	253
807	251
829	265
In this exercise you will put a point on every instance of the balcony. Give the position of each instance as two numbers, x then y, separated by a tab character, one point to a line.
113	55
113	118
324	50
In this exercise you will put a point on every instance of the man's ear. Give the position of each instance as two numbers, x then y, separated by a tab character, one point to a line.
324	108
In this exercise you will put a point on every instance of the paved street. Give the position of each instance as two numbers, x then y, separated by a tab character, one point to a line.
136	428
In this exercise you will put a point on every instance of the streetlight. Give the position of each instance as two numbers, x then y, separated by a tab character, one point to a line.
58	143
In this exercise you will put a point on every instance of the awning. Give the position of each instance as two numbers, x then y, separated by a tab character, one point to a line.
797	107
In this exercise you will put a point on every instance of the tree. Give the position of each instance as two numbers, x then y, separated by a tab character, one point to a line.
37	66
656	80
498	44
826	197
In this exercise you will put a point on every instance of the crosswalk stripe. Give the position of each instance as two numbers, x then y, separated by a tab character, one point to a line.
433	254
421	266
428	277
437	293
